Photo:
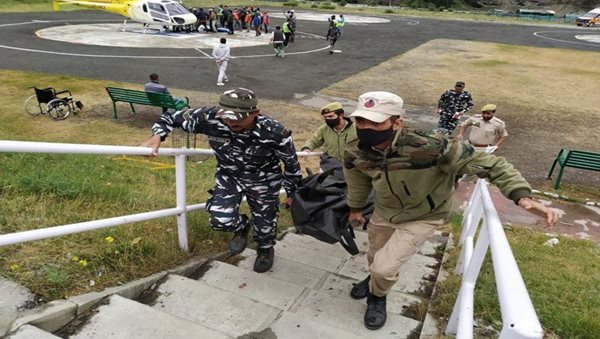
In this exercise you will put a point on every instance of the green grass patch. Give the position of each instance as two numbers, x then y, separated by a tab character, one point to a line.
563	283
490	63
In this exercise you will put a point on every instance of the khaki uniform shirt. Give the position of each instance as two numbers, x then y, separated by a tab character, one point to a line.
485	132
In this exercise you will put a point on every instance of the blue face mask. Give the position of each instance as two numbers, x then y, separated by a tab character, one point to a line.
368	137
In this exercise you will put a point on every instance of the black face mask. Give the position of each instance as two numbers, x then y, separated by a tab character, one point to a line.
332	122
369	138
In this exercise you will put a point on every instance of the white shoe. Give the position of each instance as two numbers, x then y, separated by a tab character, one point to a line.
220	84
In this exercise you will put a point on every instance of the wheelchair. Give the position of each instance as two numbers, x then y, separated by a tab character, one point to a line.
58	105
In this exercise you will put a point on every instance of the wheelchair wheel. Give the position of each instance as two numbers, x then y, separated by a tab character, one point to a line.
59	109
33	107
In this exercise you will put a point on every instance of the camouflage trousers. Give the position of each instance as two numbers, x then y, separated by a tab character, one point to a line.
262	198
447	124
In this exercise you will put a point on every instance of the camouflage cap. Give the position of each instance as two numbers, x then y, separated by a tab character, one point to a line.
331	107
237	103
378	106
488	108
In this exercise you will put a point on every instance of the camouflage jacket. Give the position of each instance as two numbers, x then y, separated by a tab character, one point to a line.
414	178
452	102
332	142
251	155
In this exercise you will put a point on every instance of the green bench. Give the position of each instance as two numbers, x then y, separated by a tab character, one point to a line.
144	98
575	159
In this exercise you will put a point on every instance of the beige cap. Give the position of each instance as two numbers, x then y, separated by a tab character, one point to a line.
488	108
332	107
378	106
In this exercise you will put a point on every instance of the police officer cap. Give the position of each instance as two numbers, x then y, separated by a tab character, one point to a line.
331	107
488	108
237	103
378	106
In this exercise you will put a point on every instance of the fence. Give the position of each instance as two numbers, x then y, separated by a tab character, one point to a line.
518	315
179	210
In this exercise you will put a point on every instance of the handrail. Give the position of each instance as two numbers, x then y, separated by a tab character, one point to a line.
518	315
179	210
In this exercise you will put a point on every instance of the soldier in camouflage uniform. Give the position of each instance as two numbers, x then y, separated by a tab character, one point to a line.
451	106
411	174
249	148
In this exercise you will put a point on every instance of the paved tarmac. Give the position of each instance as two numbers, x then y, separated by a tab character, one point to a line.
307	68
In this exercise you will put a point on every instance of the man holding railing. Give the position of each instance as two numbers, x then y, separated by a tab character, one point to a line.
249	148
411	174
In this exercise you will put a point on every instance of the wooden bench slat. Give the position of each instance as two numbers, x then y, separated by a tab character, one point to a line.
144	98
575	159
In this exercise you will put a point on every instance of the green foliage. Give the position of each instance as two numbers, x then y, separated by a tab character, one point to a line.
342	3
327	5
291	4
389	11
314	6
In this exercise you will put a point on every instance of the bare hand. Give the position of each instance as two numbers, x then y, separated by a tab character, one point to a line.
287	203
551	215
356	219
153	142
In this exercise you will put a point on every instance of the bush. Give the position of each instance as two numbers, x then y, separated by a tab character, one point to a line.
389	11
327	5
314	6
342	3
291	4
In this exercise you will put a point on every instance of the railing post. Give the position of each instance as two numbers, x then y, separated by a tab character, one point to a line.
180	193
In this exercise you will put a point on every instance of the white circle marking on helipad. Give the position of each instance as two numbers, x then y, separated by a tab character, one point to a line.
589	38
358	19
134	36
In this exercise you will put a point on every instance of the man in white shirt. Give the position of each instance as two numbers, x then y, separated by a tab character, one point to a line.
221	54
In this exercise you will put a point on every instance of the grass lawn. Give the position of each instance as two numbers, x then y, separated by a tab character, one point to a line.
563	282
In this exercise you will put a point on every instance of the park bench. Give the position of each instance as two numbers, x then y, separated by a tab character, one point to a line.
144	98
574	159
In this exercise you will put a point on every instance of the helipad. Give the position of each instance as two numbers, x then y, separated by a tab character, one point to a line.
102	34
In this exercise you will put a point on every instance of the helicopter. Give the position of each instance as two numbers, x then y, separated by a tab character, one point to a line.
164	13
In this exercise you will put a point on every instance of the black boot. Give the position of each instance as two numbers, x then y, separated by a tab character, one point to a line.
360	289
238	243
376	313
264	259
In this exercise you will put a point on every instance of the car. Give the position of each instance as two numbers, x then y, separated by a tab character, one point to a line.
590	19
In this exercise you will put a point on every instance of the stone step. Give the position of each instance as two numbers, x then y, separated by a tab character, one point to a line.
252	285
347	315
213	307
127	319
294	326
310	243
339	286
308	257
285	270
31	332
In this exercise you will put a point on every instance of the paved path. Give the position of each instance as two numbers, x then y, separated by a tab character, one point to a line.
363	46
304	295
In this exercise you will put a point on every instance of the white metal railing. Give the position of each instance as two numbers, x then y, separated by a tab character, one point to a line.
518	315
179	210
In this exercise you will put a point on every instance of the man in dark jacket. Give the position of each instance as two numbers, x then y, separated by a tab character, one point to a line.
249	148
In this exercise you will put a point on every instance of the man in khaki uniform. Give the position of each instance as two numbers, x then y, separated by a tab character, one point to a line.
411	174
485	129
333	135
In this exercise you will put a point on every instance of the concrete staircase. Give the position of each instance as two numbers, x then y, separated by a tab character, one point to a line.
305	295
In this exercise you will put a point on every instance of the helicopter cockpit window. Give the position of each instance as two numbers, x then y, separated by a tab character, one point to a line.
176	9
157	7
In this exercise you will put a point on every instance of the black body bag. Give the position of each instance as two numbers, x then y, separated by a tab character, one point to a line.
319	207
